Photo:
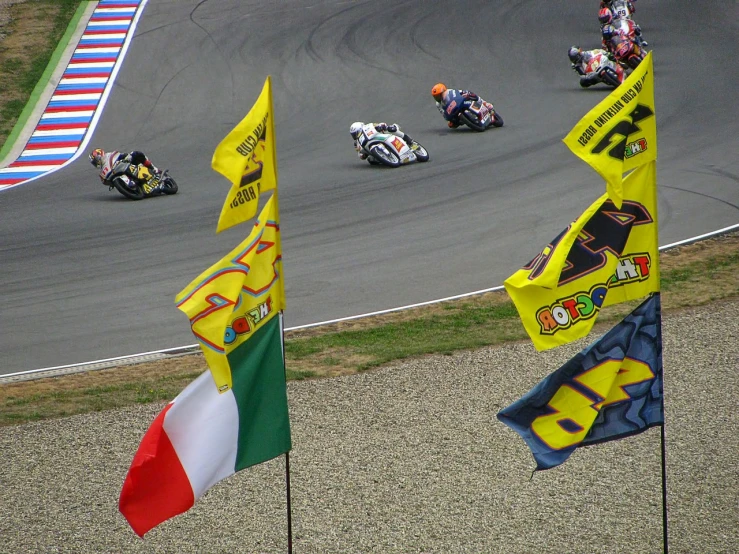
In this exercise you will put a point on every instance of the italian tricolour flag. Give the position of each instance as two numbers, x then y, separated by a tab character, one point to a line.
203	436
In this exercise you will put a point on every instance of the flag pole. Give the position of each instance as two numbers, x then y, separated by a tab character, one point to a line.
287	454
289	508
664	491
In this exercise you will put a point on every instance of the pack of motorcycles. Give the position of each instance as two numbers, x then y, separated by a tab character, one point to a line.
623	49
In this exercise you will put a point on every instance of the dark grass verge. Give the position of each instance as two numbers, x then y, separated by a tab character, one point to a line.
24	56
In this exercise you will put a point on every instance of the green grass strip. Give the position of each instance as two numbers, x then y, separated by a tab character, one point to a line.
43	81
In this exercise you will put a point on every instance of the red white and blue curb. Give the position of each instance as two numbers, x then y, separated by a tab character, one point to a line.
69	119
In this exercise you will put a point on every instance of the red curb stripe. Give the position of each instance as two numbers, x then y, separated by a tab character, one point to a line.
45	145
79	91
55	109
60	126
27	163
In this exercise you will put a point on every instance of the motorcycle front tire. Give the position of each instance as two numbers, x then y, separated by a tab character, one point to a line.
125	190
497	120
609	77
169	186
421	153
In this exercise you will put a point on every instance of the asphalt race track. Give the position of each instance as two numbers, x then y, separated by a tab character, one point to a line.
87	274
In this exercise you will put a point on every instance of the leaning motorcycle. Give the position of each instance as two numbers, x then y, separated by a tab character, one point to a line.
475	114
625	43
608	71
135	181
388	149
628	53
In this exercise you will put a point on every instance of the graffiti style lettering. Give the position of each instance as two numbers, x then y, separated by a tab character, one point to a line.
636	147
242	275
244	324
577	402
606	231
623	128
567	311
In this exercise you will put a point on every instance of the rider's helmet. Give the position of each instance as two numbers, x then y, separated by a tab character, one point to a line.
355	129
96	157
605	16
437	90
607	32
574	53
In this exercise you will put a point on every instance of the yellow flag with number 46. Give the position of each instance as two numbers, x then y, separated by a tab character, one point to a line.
234	298
620	133
248	159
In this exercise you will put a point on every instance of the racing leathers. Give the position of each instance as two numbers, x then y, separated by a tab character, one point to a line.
581	66
110	159
453	121
392	128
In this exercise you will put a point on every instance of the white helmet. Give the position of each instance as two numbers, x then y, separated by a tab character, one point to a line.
355	128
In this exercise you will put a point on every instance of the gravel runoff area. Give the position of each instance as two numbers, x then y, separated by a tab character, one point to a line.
411	458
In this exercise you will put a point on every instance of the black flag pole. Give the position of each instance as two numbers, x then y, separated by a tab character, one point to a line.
289	508
664	491
287	454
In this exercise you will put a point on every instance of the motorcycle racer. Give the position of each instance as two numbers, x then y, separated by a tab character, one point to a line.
106	161
392	128
581	61
441	95
626	7
620	31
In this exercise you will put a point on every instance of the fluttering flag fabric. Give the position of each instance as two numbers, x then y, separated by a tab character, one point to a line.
610	390
620	133
231	300
608	255
637	272
202	437
247	157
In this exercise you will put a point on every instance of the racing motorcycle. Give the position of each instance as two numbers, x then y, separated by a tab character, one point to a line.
624	41
135	181
388	149
608	71
475	114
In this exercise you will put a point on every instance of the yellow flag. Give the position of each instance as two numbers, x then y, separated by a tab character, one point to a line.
608	255
620	133
248	159
637	271
558	296
230	300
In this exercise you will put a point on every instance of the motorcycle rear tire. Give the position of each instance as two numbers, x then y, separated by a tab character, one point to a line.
125	190
389	159
471	123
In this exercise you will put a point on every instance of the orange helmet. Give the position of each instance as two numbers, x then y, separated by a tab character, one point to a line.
437	90
96	157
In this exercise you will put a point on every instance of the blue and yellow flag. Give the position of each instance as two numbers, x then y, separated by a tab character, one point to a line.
610	390
620	133
608	255
247	157
232	299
